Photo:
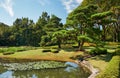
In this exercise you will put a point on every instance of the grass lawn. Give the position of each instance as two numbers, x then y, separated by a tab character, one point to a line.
99	61
63	55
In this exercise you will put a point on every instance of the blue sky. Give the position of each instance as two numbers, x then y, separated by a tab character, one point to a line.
12	9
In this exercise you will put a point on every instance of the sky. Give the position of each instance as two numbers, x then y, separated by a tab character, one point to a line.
12	9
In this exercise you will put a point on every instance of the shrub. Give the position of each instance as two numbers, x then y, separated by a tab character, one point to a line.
112	70
117	51
19	49
8	53
12	49
55	51
98	51
3	50
118	46
75	46
47	50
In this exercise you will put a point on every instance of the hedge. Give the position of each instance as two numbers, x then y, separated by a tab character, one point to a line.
98	51
112	70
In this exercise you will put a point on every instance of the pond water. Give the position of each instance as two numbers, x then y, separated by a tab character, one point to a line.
71	71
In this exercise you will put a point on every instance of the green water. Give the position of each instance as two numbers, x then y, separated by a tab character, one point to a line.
68	72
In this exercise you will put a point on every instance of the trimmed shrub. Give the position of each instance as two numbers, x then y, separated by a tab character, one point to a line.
20	49
12	49
55	51
75	46
98	51
117	51
118	46
47	50
112	70
8	53
3	50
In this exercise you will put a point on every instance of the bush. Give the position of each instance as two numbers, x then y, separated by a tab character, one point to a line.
118	46
12	49
55	51
117	51
19	49
46	50
3	50
75	46
8	53
98	51
112	70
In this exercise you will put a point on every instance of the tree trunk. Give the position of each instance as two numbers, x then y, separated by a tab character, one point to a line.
59	44
104	34
78	43
81	45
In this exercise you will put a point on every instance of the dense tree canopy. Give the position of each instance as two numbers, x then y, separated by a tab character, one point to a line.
93	20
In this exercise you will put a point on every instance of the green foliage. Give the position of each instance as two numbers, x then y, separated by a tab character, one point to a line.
55	51
98	51
46	50
44	40
8	53
101	15
117	51
15	49
112	70
85	38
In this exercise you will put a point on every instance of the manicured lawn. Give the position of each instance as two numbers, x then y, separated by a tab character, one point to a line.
63	55
112	70
100	61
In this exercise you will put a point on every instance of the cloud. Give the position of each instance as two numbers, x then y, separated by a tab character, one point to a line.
44	2
8	6
71	4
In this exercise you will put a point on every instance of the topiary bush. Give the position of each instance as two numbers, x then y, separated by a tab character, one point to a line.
75	46
46	50
117	51
55	51
98	51
8	53
118	46
3	50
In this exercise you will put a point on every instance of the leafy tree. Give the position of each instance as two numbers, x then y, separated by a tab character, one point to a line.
79	20
53	24
4	34
22	31
59	37
103	19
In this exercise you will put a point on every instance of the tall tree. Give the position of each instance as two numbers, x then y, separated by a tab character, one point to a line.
79	20
22	31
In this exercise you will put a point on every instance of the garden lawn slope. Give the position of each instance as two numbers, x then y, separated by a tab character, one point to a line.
36	55
112	70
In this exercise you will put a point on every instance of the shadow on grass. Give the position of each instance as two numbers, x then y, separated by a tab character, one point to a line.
105	58
69	49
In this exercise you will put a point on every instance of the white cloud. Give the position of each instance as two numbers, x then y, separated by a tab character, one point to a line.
8	6
44	2
71	4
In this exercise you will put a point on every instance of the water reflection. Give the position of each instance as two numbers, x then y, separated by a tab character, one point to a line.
72	71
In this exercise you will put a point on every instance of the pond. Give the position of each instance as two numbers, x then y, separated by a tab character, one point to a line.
71	71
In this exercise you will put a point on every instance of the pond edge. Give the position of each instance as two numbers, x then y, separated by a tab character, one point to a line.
87	65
